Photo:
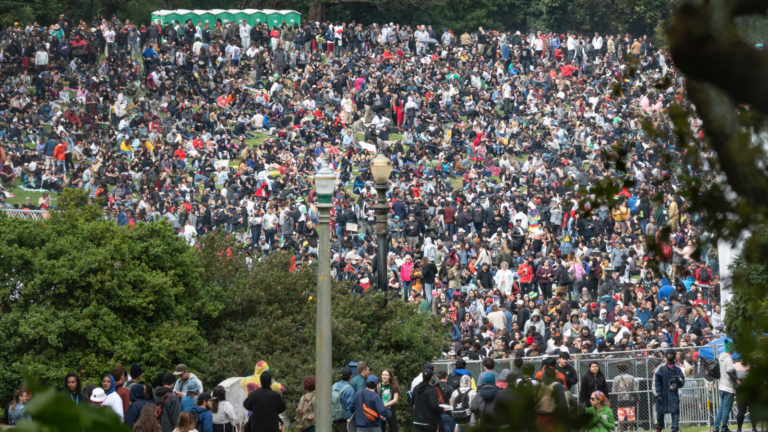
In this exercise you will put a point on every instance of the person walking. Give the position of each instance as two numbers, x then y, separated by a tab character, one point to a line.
726	388
668	379
265	406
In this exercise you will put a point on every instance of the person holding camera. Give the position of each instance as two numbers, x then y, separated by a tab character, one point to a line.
668	380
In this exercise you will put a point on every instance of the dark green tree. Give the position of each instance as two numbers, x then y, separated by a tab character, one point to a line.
269	314
81	294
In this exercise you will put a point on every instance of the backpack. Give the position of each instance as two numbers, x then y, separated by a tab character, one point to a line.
461	412
624	387
159	409
455	381
703	274
337	408
545	398
712	369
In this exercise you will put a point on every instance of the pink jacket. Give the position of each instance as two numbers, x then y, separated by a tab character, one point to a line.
405	271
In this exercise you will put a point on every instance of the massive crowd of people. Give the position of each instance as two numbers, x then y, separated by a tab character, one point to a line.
492	135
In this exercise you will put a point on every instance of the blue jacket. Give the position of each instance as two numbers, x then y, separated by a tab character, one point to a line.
372	401
204	419
138	402
669	402
644	315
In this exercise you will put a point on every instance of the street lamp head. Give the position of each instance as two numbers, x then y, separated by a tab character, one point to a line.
325	184
381	168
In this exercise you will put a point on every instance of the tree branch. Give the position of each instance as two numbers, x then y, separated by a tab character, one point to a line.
712	55
738	158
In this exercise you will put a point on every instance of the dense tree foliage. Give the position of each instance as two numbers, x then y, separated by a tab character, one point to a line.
79	293
82	294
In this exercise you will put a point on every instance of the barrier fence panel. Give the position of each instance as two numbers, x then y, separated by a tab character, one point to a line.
26	214
699	398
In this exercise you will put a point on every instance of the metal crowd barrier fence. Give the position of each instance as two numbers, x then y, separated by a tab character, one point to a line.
699	398
26	214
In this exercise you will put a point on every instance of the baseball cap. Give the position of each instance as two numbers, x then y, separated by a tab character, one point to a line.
373	379
181	368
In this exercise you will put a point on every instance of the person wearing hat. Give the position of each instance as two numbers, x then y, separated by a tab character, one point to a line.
484	400
368	408
98	396
188	401
667	380
726	387
186	379
341	410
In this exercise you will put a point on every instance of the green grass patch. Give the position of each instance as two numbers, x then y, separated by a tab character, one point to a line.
20	196
257	140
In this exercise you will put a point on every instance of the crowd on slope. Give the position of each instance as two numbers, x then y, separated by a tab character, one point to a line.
492	134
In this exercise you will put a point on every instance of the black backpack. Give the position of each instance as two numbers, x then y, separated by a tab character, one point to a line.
460	410
455	381
703	274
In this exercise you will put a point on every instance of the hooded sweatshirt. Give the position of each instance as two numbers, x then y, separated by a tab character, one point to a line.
538	324
426	405
113	400
204	419
138	401
171	408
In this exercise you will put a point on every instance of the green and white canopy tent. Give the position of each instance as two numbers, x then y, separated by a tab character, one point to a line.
252	16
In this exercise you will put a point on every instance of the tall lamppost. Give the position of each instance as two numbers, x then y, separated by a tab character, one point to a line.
325	184
381	168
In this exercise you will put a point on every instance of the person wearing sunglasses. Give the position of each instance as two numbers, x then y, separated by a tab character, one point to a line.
602	415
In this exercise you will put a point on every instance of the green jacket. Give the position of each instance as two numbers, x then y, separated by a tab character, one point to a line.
602	419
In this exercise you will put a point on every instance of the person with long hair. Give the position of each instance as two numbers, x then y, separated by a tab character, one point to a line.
388	390
305	411
16	407
186	423
602	415
73	388
147	421
594	380
224	416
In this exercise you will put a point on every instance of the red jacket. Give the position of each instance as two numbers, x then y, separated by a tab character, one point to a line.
59	151
525	271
